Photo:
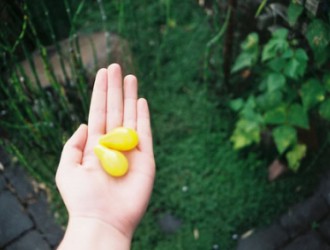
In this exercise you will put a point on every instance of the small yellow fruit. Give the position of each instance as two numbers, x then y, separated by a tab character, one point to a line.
112	161
120	138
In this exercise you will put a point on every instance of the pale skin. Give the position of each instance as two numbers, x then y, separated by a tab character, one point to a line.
104	210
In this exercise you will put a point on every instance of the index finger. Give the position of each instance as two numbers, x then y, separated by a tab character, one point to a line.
97	114
97	110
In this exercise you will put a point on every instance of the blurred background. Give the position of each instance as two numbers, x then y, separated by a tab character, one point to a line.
238	91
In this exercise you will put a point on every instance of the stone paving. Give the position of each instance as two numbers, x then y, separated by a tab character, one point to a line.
25	219
306	226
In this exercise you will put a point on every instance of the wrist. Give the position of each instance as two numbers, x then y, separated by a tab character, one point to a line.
92	233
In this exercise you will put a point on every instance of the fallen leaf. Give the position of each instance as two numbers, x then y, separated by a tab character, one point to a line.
247	234
276	169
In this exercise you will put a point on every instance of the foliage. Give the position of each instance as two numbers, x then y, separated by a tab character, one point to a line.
290	85
36	120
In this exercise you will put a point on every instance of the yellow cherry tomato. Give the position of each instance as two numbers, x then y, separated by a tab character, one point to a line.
120	138
112	161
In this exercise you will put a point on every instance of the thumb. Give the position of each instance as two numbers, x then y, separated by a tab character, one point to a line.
73	149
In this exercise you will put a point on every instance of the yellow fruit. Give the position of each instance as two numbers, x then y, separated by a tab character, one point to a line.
120	138
113	162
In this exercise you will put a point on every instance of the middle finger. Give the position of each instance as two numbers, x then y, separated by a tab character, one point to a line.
114	97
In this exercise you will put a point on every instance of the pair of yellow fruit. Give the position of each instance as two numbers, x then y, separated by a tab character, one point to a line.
108	150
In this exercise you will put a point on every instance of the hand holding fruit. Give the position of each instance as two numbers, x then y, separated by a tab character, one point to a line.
109	206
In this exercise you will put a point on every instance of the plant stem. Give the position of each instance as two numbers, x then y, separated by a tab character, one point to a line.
228	45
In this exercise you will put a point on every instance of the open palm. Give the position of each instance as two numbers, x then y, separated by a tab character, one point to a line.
87	190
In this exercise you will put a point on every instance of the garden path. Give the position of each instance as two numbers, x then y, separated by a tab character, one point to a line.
25	219
306	226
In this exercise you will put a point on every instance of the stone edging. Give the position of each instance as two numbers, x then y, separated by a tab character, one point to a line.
305	226
25	218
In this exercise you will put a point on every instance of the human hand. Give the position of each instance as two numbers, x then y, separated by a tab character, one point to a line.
89	193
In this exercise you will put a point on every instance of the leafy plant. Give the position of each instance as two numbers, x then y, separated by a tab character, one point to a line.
36	117
290	85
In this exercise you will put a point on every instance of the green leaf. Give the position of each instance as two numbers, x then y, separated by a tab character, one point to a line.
260	8
312	92
249	53
240	140
301	55
277	64
322	56
295	155
276	46
291	68
275	81
297	116
284	136
295	67
244	60
269	100
236	104
318	34
294	11
325	110
268	52
276	115
326	81
281	33
251	102
288	53
246	132
248	111
251	42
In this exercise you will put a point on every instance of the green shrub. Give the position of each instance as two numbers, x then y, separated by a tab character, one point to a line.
290	85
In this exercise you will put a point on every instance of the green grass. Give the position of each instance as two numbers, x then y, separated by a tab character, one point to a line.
227	192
